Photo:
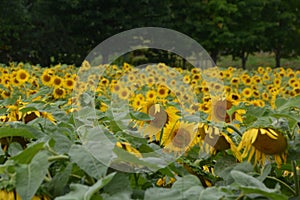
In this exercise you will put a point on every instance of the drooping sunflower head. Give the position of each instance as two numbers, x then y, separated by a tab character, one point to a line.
262	144
212	139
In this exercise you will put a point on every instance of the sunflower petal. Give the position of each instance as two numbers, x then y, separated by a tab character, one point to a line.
273	132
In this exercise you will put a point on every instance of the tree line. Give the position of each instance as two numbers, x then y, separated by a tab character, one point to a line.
48	32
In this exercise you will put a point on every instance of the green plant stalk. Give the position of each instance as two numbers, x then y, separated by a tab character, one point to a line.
283	183
235	129
161	135
58	157
296	178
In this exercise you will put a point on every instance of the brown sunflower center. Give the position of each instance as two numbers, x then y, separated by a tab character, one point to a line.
270	146
23	76
181	138
160	117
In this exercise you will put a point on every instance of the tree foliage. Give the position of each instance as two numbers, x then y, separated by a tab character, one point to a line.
48	32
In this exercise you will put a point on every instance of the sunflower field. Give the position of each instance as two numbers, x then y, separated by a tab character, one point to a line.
157	132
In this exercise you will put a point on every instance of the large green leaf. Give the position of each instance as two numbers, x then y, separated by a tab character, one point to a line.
26	156
59	182
251	185
86	161
11	132
265	193
162	193
83	192
118	188
212	193
283	104
243	179
29	177
189	186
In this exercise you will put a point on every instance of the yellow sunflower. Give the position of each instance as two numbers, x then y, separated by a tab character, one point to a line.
247	93
46	79
59	93
179	137
57	81
262	144
219	110
162	91
22	76
161	115
124	93
69	83
212	139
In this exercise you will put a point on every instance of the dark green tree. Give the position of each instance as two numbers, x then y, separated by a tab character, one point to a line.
282	28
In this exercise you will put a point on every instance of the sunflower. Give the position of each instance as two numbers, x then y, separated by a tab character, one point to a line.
22	76
46	79
162	91
235	81
212	139
151	95
124	93
69	83
247	93
219	110
59	93
161	115
57	81
179	137
263	143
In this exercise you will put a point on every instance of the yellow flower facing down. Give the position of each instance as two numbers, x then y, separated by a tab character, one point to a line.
263	143
212	139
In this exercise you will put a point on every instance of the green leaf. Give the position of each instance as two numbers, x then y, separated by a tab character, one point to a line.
98	185
28	109
58	183
265	172
86	161
243	179
29	177
189	186
140	116
212	193
26	156
83	192
162	193
288	103
265	193
119	186
11	132
77	192
14	148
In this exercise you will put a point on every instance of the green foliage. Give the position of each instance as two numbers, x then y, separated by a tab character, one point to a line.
236	28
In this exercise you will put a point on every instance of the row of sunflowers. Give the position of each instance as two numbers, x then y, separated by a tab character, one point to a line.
165	125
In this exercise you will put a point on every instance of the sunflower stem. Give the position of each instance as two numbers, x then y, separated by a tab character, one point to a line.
296	178
58	157
161	135
283	183
235	129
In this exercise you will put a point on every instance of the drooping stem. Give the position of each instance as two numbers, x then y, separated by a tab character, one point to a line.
235	129
296	178
283	183
58	157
